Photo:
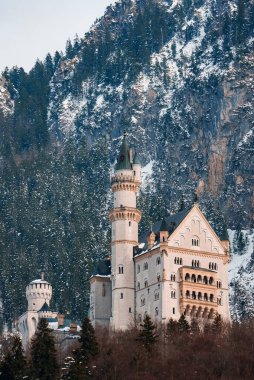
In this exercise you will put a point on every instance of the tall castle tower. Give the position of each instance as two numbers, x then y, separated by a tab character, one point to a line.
125	217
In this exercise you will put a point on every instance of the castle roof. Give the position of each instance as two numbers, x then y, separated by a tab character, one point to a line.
169	224
103	268
136	160
123	161
45	307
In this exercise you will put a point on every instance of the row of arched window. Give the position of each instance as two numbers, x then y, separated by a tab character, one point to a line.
199	279
178	261
198	295
195	263
213	266
172	277
195	242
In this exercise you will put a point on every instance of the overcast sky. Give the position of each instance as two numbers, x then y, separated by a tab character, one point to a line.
32	28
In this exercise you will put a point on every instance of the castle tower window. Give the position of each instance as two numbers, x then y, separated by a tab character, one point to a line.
174	310
129	309
121	296
103	290
138	269
120	269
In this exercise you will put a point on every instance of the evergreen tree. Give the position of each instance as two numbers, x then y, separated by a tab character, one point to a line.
217	324
147	335
44	364
183	325
14	366
87	350
172	327
194	327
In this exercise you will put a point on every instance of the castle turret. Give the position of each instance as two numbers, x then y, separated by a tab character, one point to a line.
37	293
125	218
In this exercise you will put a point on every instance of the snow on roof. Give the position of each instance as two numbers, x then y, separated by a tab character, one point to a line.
39	281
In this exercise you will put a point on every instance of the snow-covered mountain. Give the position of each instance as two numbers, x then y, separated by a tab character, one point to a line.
178	75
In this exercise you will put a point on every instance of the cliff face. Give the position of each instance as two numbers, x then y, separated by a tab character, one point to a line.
179	77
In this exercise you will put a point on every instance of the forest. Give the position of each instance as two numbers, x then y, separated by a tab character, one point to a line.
179	350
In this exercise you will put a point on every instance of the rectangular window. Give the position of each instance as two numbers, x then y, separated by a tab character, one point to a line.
174	311
129	309
121	295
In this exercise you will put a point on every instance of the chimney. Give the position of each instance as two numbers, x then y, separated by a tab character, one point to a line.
60	318
73	327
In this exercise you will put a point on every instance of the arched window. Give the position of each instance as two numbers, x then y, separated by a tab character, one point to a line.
211	298
199	296
121	295
156	296
187	277
205	280
199	279
193	278
211	281
219	301
120	268
174	310
172	277
146	284
218	284
139	318
193	296
143	301
138	285
187	294
205	297
138	268
158	277
195	241
158	260
129	224
145	266
181	261
173	294
156	311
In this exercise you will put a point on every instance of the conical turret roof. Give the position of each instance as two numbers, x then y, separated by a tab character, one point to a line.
123	161
136	160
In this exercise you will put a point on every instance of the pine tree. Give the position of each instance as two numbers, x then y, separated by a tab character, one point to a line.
183	325
194	327
217	324
172	327
14	366
147	335
88	349
44	364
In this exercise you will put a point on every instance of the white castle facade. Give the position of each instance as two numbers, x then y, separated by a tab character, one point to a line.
179	267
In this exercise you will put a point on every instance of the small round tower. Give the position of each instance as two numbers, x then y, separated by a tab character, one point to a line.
37	293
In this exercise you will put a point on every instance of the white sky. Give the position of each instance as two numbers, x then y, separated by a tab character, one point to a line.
29	29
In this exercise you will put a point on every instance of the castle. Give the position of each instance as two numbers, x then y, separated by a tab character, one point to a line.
179	267
39	294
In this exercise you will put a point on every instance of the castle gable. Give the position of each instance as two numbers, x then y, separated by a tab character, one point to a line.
195	232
